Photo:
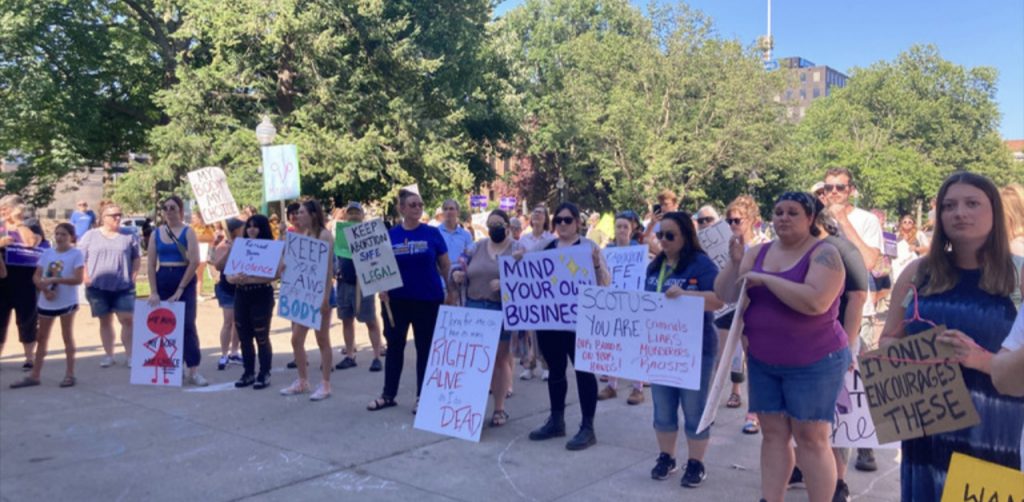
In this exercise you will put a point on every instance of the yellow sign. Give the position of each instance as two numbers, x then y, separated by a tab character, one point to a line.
973	479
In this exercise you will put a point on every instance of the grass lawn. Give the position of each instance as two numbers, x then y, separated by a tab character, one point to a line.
142	287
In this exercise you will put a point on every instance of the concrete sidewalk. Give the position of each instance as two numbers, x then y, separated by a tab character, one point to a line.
107	440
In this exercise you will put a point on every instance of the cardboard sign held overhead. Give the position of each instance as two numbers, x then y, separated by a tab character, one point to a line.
210	187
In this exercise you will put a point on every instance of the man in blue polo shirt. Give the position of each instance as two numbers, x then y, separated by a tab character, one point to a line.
83	219
455	237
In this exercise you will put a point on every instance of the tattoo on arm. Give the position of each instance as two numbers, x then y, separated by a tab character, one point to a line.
828	259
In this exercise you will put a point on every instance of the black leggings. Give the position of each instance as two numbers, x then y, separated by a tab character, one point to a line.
254	308
422	316
559	347
18	293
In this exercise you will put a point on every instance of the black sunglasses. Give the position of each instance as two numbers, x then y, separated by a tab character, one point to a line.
734	221
704	220
839	187
665	236
563	220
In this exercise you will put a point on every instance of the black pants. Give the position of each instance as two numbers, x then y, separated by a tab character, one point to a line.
422	316
18	293
254	308
167	281
558	348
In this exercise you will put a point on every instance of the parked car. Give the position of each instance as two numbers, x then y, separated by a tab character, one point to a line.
140	226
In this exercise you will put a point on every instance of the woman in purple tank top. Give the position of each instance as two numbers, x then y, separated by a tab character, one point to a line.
797	347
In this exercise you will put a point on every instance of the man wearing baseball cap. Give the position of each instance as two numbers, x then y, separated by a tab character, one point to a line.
352	305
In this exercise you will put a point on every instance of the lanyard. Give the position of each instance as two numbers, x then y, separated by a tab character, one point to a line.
661	275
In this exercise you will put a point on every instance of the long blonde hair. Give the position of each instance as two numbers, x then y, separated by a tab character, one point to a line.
1013	204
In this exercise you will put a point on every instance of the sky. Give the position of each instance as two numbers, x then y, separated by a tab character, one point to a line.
845	34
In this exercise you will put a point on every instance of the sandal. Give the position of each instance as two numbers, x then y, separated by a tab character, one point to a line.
751	427
734	401
499	418
68	381
380	403
26	382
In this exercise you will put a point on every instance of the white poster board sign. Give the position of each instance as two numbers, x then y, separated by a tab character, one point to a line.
158	344
641	336
304	280
715	242
280	172
453	400
373	257
628	266
210	187
728	351
255	257
856	429
539	291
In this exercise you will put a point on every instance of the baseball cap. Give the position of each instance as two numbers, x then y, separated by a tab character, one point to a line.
354	205
817	186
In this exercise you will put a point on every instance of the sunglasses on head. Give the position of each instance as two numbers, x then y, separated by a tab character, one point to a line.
704	220
563	220
839	187
734	221
665	236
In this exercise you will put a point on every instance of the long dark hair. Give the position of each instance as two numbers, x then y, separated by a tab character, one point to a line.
691	245
263	224
316	213
575	211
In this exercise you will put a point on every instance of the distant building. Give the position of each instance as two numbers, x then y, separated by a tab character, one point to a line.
1016	147
809	82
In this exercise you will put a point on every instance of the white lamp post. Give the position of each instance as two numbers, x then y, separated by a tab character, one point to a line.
560	185
265	134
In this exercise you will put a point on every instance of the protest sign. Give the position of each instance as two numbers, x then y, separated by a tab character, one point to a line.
340	241
915	388
158	344
256	257
280	173
732	341
855	428
715	242
507	203
374	259
477	201
628	266
210	187
972	479
304	280
453	400
890	243
539	291
640	335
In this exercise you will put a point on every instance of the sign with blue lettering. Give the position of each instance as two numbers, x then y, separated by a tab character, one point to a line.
539	291
507	203
628	266
478	201
373	257
304	280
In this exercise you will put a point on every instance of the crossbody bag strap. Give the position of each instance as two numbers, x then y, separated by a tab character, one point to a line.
181	248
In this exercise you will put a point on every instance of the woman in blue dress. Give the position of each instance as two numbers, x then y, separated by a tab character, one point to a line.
964	283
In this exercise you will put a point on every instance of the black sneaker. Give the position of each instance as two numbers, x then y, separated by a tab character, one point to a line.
666	465
842	493
866	460
694	475
346	363
27	366
262	381
796	480
246	380
292	365
376	366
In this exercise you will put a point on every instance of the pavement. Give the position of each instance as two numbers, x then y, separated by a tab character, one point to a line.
107	440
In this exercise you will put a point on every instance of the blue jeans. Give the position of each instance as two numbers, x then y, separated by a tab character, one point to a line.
667	401
489	305
805	393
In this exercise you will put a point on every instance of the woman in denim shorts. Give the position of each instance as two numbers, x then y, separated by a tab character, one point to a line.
797	347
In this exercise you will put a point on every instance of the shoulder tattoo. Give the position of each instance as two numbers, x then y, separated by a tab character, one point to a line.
829	259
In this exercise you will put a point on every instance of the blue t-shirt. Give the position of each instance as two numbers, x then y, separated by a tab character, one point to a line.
698	275
458	242
416	252
82	221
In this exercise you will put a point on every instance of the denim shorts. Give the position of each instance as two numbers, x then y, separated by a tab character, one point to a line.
506	335
346	294
804	393
225	299
667	401
103	302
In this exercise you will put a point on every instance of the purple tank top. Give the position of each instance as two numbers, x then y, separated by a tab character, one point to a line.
782	336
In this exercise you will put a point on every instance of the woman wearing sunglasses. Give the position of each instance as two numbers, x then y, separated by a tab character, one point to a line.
559	347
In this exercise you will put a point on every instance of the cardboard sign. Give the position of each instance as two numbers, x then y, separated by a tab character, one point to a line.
370	247
280	173
890	244
628	266
715	242
340	241
158	344
539	291
210	187
971	479
640	335
915	388
453	400
255	257
507	203
855	428
718	382
304	280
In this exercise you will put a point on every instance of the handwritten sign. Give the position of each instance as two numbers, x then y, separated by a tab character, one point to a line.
280	173
970	478
641	336
458	377
374	259
304	280
210	187
539	291
855	428
715	242
507	203
256	257
158	344
628	266
915	388
340	241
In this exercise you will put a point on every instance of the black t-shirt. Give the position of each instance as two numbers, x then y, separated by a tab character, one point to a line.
856	272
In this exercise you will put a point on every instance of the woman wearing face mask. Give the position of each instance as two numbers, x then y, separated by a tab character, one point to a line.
483	291
254	309
559	347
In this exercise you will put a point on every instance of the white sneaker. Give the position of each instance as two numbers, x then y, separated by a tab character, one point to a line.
544	376
106	362
297	387
527	374
198	380
320	394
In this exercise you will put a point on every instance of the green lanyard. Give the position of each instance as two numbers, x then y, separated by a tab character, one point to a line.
661	276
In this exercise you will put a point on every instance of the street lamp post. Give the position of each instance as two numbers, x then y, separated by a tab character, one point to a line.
560	185
265	134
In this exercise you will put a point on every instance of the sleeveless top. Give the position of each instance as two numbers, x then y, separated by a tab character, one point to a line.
782	336
169	252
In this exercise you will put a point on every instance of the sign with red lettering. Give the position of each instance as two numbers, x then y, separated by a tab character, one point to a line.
210	186
640	335
453	400
158	344
255	257
915	388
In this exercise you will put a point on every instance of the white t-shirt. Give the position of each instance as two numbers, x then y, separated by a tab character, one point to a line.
870	231
57	264
1015	341
532	243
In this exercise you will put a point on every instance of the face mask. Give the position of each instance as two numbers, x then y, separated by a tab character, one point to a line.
497	234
